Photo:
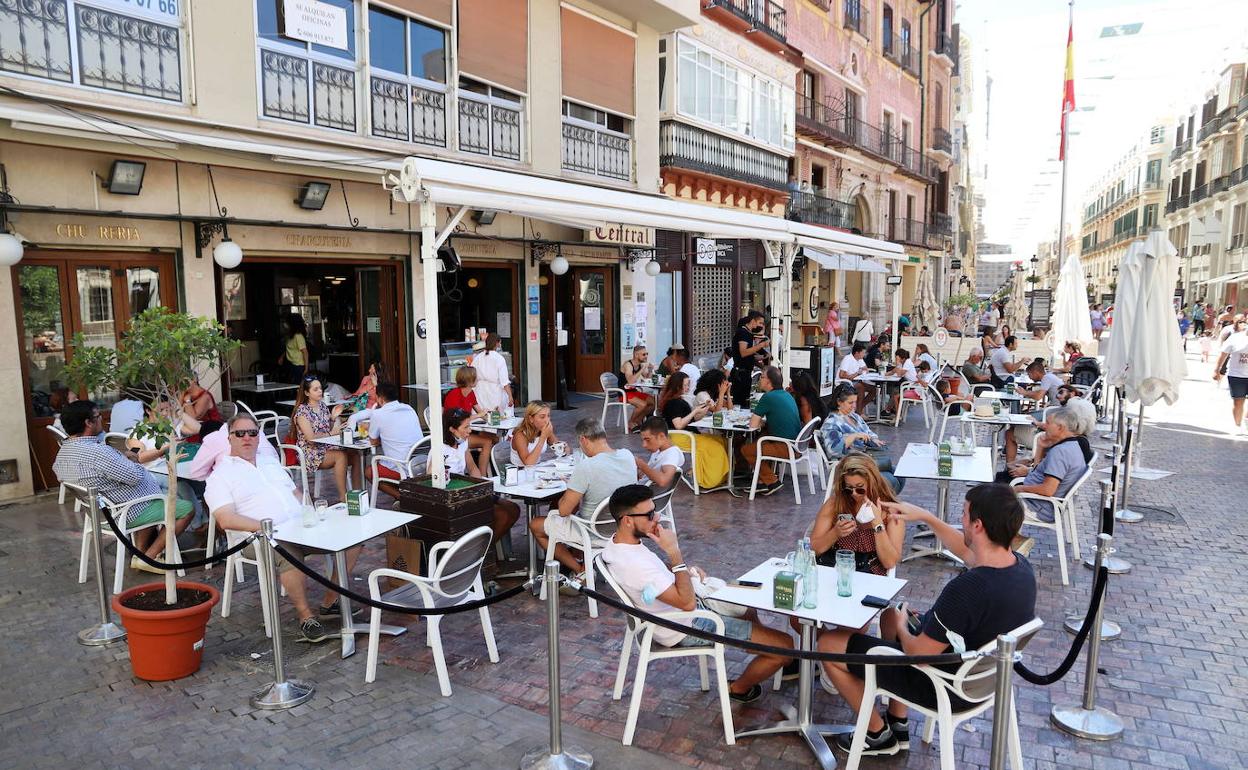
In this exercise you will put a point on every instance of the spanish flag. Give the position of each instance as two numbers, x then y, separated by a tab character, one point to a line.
1068	91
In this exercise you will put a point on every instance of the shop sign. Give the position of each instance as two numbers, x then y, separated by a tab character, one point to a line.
314	22
160	10
101	232
307	241
708	251
626	235
955	264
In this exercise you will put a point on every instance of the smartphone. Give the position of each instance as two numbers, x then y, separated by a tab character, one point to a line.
746	584
874	601
845	517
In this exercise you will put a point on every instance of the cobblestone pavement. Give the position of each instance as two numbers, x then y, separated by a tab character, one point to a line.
1172	677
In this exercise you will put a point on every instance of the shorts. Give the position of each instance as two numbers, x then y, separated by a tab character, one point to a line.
153	512
561	527
300	552
907	682
630	394
734	628
386	472
1239	386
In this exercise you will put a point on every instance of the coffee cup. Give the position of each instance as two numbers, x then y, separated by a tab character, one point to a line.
560	448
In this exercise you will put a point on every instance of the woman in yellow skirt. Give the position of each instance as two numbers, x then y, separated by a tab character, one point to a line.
710	460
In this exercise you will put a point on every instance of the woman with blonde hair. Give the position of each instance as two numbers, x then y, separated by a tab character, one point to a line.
533	435
852	518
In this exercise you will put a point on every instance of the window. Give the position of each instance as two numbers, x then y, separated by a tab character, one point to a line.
407	88
1157	135
138	52
1238	225
305	82
886	28
1152	173
596	142
99	304
730	97
938	106
905	41
1150	215
489	120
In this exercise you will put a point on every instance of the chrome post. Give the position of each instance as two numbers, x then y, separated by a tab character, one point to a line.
1109	629
283	693
556	757
1123	513
106	631
1002	704
1089	720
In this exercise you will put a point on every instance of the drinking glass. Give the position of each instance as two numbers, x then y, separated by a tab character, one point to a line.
845	573
322	509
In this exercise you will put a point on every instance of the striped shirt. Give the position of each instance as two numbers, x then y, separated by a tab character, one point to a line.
88	462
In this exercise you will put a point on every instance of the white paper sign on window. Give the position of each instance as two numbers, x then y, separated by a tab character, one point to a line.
157	10
315	22
593	319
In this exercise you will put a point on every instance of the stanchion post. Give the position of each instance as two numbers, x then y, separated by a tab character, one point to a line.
106	631
556	757
1109	629
283	693
1002	704
1089	720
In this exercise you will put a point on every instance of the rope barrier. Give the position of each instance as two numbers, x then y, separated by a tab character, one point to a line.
951	658
387	606
216	558
1098	593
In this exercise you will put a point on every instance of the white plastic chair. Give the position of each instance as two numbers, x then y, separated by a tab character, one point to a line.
914	393
663	505
60	500
591	535
404	465
798	450
974	681
641	634
121	514
1063	524
256	415
690	479
234	574
454	579
613	396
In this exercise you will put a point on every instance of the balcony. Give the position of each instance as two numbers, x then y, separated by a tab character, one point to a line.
1214	125
946	47
910	231
1180	148
900	51
942	141
1153	184
489	126
285	90
1199	193
765	15
407	112
1239	175
1181	202
942	224
857	18
684	146
592	149
1221	184
830	123
815	209
1242	107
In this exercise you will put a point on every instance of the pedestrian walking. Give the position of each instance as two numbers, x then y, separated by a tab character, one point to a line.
1234	357
1097	317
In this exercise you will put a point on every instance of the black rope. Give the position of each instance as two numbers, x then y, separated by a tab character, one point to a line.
216	558
386	606
950	658
1098	593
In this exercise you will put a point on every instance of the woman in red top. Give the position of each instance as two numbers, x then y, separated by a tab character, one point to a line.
462	396
376	374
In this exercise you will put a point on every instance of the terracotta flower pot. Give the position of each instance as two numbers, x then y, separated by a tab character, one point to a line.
165	644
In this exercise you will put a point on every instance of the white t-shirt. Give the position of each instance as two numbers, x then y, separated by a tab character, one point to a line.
994	318
1236	349
260	491
908	372
672	456
395	424
863	331
1051	382
125	415
456	457
693	373
1000	357
851	365
598	476
930	359
642	574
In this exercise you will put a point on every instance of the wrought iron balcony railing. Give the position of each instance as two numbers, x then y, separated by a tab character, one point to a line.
829	121
816	209
765	15
684	146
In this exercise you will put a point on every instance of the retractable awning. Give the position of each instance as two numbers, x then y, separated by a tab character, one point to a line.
846	262
457	184
1229	278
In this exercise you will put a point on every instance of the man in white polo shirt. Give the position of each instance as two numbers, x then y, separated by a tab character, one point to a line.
243	489
394	427
851	369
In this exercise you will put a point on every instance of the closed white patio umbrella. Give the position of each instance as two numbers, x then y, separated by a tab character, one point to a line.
1070	320
1146	355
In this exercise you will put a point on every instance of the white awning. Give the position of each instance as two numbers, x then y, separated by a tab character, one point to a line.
458	184
1228	278
848	262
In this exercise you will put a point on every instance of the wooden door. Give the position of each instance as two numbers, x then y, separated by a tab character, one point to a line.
593	339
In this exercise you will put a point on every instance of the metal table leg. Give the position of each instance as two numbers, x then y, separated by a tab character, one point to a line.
942	513
800	720
349	627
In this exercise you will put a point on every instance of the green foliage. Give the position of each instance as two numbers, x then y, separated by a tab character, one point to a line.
41	299
965	299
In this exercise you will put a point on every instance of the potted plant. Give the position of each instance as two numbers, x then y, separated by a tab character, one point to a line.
157	358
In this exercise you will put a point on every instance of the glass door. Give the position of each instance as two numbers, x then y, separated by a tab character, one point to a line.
593	289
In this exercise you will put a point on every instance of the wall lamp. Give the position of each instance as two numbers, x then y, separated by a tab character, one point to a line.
312	195
125	177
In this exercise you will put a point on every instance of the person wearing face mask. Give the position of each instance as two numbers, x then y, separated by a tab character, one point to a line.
852	518
749	342
493	387
995	595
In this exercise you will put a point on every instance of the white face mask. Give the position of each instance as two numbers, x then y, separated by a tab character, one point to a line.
866	514
955	639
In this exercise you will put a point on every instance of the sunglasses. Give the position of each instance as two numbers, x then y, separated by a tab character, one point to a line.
854	490
252	433
651	515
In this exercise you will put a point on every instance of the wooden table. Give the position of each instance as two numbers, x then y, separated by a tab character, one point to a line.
338	533
832	610
920	461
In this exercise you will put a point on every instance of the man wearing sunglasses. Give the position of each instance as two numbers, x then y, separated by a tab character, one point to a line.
658	588
245	487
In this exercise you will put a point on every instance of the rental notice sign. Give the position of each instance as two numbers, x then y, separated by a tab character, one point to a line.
314	22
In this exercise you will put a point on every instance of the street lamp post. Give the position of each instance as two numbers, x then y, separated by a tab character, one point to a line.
1031	306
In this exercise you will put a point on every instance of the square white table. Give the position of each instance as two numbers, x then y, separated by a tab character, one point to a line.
533	496
738	426
250	386
998	422
161	467
833	610
919	461
357	445
505	424
884	381
336	534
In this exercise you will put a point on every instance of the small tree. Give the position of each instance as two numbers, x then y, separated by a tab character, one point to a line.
157	359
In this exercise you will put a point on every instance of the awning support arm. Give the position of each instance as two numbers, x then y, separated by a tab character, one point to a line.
450	227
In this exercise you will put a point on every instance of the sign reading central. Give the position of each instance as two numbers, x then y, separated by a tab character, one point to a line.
623	234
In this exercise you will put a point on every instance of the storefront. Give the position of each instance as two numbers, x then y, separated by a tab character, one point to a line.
581	337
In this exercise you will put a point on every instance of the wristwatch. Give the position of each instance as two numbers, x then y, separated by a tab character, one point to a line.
879	528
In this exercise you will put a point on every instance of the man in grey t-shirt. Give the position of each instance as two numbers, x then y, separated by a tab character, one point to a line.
602	471
1063	464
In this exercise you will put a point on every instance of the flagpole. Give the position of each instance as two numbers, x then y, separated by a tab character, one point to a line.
1061	220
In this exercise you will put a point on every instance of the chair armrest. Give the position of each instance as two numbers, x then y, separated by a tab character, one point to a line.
690	615
402	468
792	446
435	553
1034	496
1014	482
374	587
265	414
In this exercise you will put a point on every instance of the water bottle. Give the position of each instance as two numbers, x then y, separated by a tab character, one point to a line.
810	578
